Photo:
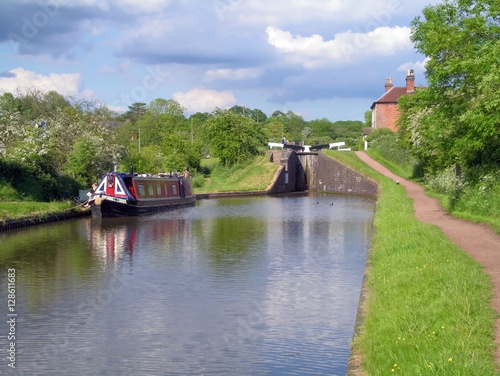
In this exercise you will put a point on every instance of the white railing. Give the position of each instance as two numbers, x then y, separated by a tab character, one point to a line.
307	148
275	145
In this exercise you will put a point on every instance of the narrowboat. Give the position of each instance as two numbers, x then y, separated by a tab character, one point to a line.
131	194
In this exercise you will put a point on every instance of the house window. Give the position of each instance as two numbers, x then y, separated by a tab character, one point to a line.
142	192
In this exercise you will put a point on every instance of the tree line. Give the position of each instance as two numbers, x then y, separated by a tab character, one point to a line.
455	121
50	144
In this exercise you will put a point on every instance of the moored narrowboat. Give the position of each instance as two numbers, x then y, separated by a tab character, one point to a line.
130	194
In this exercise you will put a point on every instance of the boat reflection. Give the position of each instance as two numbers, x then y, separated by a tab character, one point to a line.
115	238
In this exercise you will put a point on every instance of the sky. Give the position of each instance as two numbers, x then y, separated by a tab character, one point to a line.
317	58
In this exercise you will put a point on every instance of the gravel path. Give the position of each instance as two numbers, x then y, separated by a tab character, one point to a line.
481	242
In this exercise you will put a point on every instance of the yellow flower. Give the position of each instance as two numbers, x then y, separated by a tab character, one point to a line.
450	359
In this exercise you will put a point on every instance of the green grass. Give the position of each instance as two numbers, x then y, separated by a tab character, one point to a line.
428	310
20	209
253	175
404	171
209	162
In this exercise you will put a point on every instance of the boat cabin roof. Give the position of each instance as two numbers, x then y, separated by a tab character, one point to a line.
161	175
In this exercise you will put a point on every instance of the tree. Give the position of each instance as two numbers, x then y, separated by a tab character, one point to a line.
161	119
48	137
162	106
275	131
232	137
368	119
322	128
136	110
306	132
293	124
456	119
86	169
166	139
54	102
255	114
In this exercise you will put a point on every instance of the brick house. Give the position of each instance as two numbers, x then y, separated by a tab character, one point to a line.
385	111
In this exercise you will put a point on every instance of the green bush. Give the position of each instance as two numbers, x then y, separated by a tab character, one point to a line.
383	144
198	180
445	181
33	182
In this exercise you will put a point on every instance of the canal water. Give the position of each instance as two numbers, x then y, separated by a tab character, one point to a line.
235	286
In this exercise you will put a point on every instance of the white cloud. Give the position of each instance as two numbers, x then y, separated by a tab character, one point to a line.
314	52
114	69
53	5
142	6
128	6
287	12
152	29
202	100
233	74
278	12
117	109
66	84
418	66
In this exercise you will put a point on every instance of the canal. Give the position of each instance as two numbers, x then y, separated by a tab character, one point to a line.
234	286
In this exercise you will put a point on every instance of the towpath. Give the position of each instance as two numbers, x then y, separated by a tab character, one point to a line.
481	242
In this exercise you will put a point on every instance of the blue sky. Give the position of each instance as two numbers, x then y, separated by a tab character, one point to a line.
317	58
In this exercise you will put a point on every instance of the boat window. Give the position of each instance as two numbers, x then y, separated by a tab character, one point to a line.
158	189
118	188
101	186
165	186
151	190
174	189
141	190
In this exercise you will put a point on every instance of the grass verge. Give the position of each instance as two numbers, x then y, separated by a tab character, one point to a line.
22	209
428	308
398	169
254	175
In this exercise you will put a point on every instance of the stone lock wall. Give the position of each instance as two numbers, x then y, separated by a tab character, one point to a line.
334	176
291	176
318	172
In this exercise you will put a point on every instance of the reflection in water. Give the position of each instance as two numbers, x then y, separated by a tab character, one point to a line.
245	286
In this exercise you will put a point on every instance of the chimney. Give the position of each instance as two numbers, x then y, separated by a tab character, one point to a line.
410	82
388	84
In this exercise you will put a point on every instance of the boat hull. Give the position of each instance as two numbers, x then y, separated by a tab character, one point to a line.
109	208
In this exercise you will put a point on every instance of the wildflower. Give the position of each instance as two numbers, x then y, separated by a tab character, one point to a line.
450	359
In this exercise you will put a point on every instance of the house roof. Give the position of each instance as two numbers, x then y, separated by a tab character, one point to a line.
391	96
367	131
